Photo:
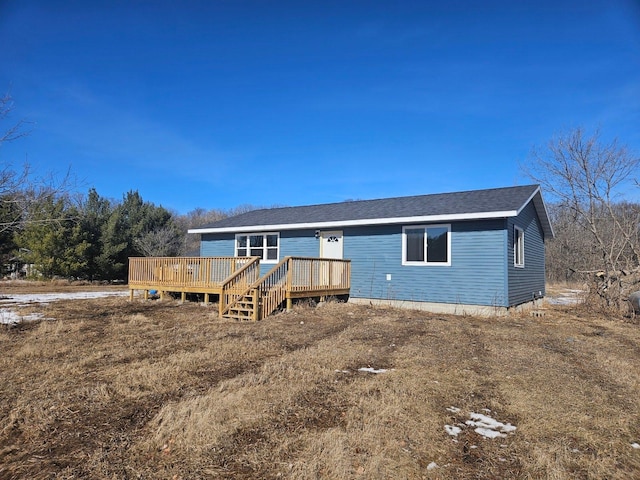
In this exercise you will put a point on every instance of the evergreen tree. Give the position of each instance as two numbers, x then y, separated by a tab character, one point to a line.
94	213
131	226
45	239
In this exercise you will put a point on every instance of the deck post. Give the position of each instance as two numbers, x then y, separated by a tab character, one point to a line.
221	303
256	293
289	304
206	274
289	286
131	294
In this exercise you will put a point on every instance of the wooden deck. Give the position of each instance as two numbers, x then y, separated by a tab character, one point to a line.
183	274
236	283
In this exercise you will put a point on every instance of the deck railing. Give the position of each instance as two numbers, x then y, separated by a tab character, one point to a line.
236	277
301	274
180	272
309	274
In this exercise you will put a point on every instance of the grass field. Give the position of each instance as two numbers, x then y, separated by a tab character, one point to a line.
110	389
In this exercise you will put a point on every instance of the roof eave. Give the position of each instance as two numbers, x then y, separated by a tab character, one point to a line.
359	222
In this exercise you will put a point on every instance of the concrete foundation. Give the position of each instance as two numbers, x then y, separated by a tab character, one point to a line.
452	308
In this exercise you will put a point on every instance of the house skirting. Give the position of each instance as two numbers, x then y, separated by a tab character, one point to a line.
451	308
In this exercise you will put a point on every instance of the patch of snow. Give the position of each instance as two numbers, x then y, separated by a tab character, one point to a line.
566	297
10	317
635	445
29	298
432	466
489	427
8	302
372	370
452	430
482	424
489	433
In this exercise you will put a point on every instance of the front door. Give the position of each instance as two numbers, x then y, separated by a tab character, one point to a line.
331	244
331	273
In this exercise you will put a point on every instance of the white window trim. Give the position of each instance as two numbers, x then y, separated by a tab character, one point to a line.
425	263
264	245
518	246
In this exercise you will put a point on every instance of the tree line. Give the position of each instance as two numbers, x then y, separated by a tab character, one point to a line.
89	236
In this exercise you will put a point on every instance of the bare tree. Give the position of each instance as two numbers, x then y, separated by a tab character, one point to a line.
21	193
199	217
587	178
570	250
163	242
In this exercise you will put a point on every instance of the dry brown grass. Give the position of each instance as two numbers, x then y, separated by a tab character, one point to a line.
112	389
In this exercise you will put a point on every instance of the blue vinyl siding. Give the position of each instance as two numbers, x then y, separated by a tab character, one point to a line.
299	243
526	282
476	275
217	245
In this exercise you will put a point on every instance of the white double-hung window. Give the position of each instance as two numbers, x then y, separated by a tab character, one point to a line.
426	245
263	245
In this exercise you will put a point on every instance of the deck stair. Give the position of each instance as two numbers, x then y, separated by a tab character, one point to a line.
262	298
245	307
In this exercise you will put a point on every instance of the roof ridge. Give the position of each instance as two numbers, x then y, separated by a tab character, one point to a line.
390	198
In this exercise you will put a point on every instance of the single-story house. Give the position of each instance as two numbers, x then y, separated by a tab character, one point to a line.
464	252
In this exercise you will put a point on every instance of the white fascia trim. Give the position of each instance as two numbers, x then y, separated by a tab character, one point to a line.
357	223
537	190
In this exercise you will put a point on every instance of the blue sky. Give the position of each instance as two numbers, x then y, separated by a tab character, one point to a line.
215	104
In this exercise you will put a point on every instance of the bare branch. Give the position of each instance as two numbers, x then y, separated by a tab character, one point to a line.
18	129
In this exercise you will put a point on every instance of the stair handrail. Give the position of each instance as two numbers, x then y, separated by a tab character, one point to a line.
246	275
271	297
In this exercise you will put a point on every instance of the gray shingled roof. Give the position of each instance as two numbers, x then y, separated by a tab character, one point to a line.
486	203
